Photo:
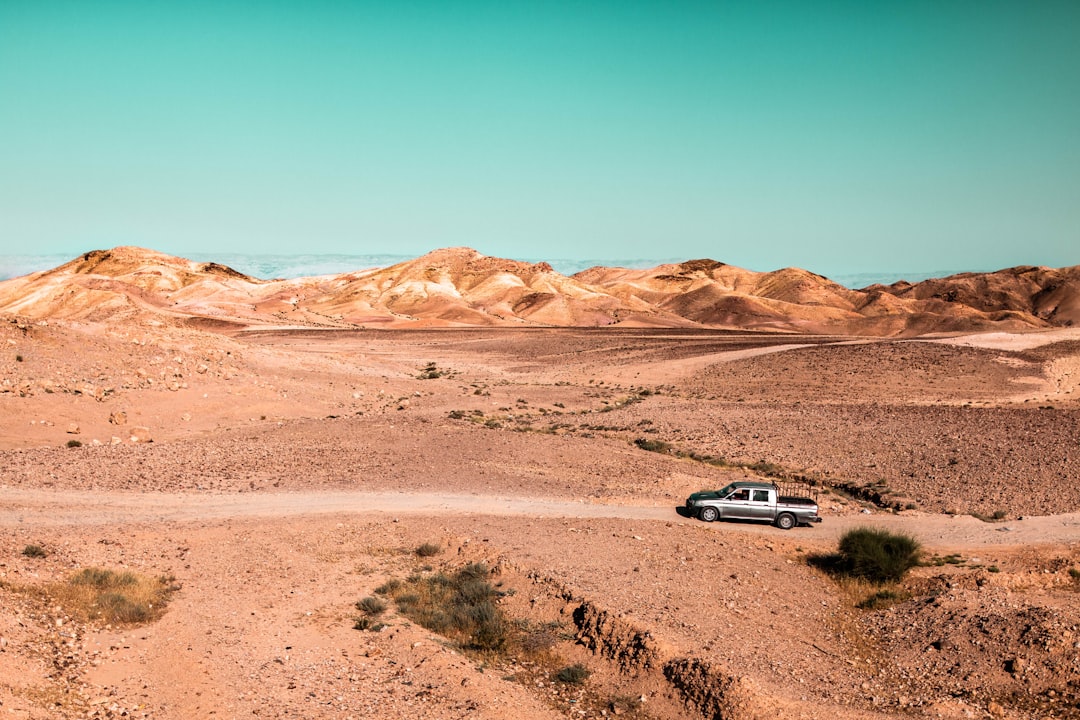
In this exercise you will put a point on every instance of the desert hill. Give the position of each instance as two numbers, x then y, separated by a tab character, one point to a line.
459	287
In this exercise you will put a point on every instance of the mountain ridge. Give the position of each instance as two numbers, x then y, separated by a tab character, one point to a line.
457	287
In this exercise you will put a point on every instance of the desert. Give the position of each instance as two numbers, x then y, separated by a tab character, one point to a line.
281	452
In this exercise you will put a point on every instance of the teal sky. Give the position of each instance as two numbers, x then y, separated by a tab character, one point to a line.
841	137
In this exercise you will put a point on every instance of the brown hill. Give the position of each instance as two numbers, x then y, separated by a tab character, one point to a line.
460	287
1052	295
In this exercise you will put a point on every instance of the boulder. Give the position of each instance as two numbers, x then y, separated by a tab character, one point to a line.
140	434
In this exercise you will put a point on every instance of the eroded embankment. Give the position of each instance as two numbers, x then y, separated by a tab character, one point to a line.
698	688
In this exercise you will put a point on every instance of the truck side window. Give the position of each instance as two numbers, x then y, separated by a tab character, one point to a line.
761	496
743	494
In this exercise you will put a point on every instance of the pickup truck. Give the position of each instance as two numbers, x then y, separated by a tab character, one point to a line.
753	501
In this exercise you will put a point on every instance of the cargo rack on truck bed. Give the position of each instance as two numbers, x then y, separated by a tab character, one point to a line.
798	489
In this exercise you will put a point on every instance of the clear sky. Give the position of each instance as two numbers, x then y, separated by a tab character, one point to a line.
841	137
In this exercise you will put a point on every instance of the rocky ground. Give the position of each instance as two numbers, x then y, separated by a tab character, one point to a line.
673	618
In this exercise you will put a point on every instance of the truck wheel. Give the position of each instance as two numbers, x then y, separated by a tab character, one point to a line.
708	514
786	521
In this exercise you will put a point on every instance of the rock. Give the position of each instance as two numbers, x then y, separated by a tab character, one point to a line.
73	429
141	434
118	417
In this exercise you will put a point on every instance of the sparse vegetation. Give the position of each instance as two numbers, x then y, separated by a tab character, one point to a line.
428	550
656	446
766	468
996	516
430	372
34	551
390	587
118	598
366	622
573	674
371	605
879	600
460	606
74	444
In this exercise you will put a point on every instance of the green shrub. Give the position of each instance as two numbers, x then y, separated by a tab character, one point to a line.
34	551
573	674
877	555
460	606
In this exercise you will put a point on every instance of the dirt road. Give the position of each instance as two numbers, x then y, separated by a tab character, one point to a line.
43	508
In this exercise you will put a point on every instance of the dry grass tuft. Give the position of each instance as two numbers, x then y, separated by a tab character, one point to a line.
107	596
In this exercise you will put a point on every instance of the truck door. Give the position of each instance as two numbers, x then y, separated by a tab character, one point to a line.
760	508
737	505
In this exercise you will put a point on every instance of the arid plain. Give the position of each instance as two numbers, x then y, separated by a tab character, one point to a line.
280	460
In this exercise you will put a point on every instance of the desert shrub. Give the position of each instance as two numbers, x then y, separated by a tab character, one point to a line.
103	579
121	608
371	606
428	550
573	674
430	372
460	606
74	443
766	468
539	638
877	555
34	551
18	358
657	446
98	594
365	622
389	587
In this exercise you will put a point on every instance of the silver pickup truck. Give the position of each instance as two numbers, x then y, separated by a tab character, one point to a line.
753	501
